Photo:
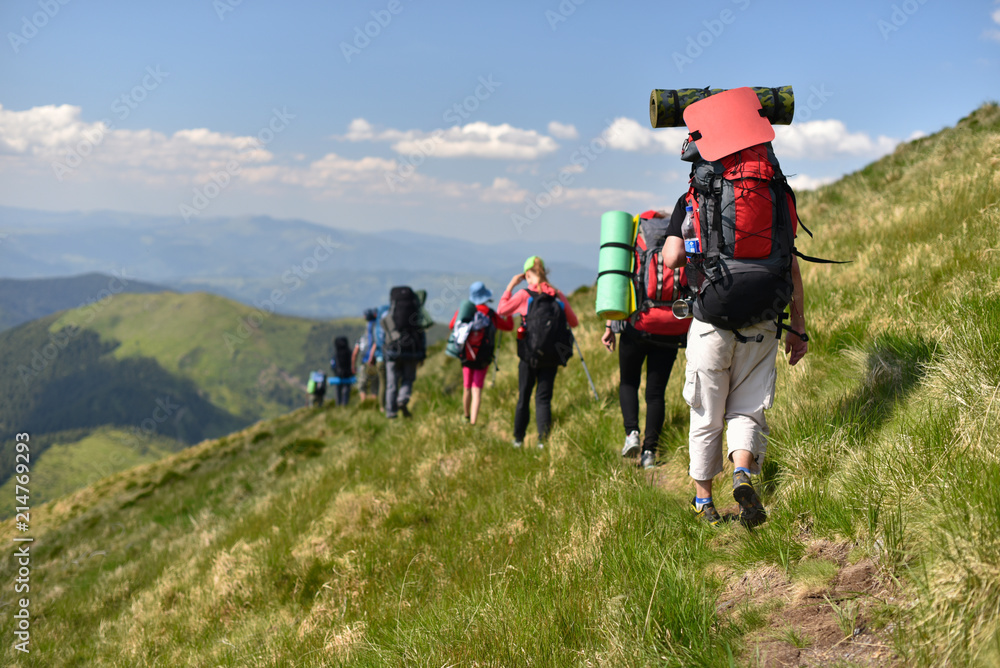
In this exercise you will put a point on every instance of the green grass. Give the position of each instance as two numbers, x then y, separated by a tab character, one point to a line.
246	361
70	464
334	537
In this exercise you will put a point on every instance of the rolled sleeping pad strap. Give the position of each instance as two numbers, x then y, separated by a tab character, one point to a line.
666	107
616	298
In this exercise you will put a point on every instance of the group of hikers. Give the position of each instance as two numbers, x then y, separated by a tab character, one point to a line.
714	276
384	360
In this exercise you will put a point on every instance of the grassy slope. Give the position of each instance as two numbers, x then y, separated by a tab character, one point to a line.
172	347
205	338
72	463
336	538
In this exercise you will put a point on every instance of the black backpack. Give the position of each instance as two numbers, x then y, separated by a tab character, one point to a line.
342	357
404	334
547	341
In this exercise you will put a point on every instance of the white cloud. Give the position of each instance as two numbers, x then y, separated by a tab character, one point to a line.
806	182
153	163
626	134
331	173
503	190
993	33
473	140
818	140
604	199
560	131
55	139
811	139
531	169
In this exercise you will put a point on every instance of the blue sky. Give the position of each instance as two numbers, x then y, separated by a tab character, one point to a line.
449	117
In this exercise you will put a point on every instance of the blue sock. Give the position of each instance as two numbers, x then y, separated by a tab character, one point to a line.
700	503
742	468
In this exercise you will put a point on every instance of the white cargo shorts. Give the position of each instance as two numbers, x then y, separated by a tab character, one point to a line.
728	383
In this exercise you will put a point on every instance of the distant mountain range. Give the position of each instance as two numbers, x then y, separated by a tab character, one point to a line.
288	266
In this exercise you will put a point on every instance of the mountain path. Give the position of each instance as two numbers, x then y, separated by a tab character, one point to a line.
805	624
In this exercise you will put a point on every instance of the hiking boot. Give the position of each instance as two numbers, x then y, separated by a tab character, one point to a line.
631	448
648	459
752	511
405	411
517	443
708	513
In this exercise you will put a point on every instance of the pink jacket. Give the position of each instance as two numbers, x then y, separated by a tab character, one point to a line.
518	302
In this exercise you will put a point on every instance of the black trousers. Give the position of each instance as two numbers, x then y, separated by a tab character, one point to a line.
343	394
659	359
527	378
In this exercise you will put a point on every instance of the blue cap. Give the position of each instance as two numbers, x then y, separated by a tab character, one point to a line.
479	293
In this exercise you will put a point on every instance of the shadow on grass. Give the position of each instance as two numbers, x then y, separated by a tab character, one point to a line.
893	366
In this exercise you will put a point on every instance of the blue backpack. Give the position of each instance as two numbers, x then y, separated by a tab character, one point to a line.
317	382
380	333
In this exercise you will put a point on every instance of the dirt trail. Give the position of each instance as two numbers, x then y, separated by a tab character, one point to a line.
838	620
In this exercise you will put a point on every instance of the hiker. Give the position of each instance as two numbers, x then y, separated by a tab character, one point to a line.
379	357
405	346
478	347
363	358
743	268
544	344
342	365
316	388
651	335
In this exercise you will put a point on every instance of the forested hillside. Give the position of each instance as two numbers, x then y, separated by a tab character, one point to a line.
164	370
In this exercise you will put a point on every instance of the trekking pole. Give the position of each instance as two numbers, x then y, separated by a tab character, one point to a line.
586	370
496	366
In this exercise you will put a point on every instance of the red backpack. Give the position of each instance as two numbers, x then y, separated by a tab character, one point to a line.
479	345
657	285
745	218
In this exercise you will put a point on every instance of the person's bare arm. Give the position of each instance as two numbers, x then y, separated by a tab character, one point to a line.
673	252
795	347
608	339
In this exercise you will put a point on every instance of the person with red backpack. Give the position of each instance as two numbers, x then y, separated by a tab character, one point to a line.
544	344
478	347
651	335
735	232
